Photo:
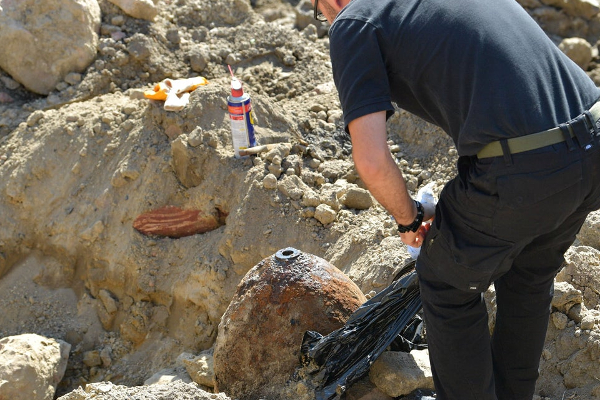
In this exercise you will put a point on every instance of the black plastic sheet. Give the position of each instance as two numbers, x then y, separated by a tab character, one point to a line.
345	355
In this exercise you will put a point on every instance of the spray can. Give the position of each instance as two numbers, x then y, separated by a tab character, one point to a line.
241	117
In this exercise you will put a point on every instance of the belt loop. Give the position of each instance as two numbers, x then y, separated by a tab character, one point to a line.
590	119
566	130
506	151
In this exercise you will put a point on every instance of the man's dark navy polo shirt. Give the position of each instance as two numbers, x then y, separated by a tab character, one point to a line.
482	70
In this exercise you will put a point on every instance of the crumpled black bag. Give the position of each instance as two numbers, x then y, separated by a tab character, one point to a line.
346	354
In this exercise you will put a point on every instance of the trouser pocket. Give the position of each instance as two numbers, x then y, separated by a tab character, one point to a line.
462	256
535	202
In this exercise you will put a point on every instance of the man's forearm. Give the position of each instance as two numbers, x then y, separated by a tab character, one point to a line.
377	168
385	182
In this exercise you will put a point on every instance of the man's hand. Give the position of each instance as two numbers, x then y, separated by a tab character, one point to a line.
415	239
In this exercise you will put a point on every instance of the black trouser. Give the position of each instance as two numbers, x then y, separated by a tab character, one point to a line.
508	221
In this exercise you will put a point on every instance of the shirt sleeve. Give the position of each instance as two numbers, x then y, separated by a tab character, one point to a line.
359	69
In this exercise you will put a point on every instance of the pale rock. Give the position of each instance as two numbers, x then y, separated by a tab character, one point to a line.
73	78
199	58
136	94
184	162
108	301
292	186
270	182
201	368
168	376
546	354
530	3
582	270
174	374
560	320
123	175
195	137
397	373
312	178
357	198
588	321
275	170
308	212
330	193
310	33
576	8
10	83
314	163
412	183
589	235
279	152
106	356
325	214
107	308
577	312
364	389
334	116
335	169
35	117
577	49
565	296
45	40
176	389
580	369
143	9
31	366
310	199
317	108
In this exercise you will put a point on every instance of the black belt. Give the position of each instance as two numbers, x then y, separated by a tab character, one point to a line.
578	127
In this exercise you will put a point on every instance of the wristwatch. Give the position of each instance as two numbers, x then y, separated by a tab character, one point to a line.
416	223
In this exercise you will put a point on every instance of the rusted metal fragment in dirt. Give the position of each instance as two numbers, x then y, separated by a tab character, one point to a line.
174	222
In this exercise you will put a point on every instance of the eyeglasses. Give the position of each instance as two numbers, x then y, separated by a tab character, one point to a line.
318	14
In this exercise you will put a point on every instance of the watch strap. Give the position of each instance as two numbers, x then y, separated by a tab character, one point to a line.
414	226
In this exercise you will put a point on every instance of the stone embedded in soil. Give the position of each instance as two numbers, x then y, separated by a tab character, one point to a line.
565	296
31	366
144	9
357	198
201	368
325	214
42	41
174	222
398	373
258	344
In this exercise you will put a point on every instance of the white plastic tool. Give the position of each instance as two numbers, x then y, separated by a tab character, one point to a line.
426	197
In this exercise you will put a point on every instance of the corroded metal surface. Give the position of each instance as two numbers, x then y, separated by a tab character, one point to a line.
260	334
